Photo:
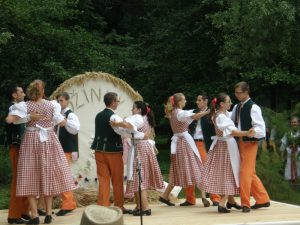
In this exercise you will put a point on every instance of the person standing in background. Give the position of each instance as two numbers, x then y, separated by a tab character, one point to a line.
291	144
67	134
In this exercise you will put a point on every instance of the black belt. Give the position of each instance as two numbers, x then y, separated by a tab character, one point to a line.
198	139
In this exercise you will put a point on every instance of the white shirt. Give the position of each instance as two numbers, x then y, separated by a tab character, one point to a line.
258	122
72	124
198	131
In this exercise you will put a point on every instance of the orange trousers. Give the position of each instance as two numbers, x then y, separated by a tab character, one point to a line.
190	191
110	168
17	205
68	200
249	182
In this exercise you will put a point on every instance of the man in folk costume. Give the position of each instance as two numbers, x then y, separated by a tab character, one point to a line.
108	154
245	115
291	144
18	206
202	131
67	134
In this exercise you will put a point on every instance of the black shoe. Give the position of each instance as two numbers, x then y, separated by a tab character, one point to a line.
258	206
135	210
25	217
235	205
48	219
246	209
34	221
127	211
144	212
15	221
42	212
167	202
205	202
63	212
186	203
214	203
222	209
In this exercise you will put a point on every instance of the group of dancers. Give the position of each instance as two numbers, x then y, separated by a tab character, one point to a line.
228	169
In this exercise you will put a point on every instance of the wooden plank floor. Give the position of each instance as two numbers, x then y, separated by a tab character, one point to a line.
278	213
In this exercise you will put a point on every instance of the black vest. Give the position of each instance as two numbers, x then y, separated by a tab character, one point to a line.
208	130
106	140
14	133
207	127
245	118
69	142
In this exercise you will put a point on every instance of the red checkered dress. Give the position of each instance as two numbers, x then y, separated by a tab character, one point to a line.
42	166
150	171
218	176
186	167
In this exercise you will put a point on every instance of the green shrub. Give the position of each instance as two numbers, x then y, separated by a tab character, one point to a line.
269	169
5	177
5	168
4	196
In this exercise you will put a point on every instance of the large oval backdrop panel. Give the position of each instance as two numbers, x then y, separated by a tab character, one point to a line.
86	100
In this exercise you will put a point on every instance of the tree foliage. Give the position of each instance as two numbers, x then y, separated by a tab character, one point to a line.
160	48
260	41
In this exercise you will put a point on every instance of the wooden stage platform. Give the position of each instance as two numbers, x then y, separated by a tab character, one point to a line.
278	213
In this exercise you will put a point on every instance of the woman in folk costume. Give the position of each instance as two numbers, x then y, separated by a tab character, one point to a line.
291	144
42	167
142	121
186	165
221	170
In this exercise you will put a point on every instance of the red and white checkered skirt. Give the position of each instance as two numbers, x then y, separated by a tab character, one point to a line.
150	170
217	177
42	167
185	168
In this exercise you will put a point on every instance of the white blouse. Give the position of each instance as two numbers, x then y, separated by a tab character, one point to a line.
185	115
135	120
20	110
225	124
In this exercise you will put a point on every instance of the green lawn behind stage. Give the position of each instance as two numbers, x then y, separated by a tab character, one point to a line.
269	168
